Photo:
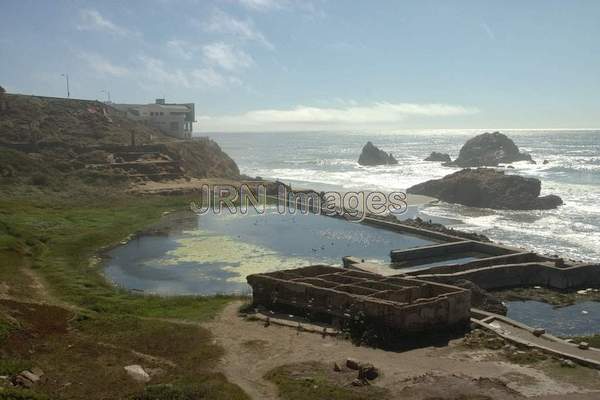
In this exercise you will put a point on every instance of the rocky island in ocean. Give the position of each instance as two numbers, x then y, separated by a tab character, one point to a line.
489	150
439	157
488	188
372	155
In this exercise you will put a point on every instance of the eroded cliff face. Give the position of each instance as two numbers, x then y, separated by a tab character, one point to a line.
47	141
488	188
203	158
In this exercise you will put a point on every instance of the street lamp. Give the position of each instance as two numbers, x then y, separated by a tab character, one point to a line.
107	94
67	78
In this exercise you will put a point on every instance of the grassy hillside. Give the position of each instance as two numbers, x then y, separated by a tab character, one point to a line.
53	142
68	122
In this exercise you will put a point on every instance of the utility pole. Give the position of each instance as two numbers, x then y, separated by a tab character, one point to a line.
67	78
107	94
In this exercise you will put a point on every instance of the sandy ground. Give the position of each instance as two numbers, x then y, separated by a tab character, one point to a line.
253	349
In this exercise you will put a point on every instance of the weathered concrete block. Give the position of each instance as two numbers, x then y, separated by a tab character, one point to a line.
352	363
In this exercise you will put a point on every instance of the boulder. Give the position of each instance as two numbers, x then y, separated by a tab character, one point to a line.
441	157
539	331
567	364
371	155
368	371
488	188
489	150
137	373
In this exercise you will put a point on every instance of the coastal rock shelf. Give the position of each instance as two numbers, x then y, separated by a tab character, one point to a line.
488	188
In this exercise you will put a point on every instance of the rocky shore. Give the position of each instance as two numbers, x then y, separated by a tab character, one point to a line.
488	188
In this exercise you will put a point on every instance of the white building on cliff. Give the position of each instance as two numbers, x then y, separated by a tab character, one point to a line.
173	119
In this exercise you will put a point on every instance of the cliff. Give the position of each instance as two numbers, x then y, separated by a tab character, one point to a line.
46	140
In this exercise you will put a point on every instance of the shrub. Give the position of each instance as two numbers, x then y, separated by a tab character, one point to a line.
39	180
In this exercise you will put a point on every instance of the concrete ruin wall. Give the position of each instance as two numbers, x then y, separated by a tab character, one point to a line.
516	258
527	274
452	249
409	305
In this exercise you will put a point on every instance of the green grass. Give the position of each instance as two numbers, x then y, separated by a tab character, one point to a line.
5	329
21	394
57	237
594	341
11	366
211	386
313	381
62	237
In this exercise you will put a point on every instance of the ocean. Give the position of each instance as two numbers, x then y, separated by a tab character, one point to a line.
328	161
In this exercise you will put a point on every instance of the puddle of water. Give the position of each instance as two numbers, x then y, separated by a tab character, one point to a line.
222	250
581	319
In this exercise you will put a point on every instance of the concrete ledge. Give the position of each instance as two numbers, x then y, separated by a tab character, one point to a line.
513	258
436	250
454	249
546	342
526	274
299	325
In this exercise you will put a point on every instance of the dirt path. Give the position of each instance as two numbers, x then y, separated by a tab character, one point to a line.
252	350
38	291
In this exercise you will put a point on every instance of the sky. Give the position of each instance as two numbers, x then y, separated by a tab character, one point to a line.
317	65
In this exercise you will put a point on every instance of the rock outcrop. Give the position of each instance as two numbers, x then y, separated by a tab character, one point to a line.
203	158
441	157
489	150
371	155
488	188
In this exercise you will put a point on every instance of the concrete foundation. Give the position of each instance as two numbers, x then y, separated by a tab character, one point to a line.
407	305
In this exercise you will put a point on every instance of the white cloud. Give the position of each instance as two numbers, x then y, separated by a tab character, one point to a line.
181	48
210	77
103	66
155	73
488	31
221	22
377	115
261	5
92	20
155	70
305	7
226	56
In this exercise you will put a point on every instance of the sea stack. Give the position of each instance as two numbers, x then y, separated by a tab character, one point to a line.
371	155
440	157
488	188
489	150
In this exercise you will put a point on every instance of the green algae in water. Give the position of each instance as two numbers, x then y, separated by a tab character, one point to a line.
217	257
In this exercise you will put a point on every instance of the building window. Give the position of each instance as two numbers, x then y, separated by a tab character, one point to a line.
175	126
161	113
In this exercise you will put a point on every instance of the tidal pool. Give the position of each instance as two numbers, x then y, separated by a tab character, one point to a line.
217	254
581	319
